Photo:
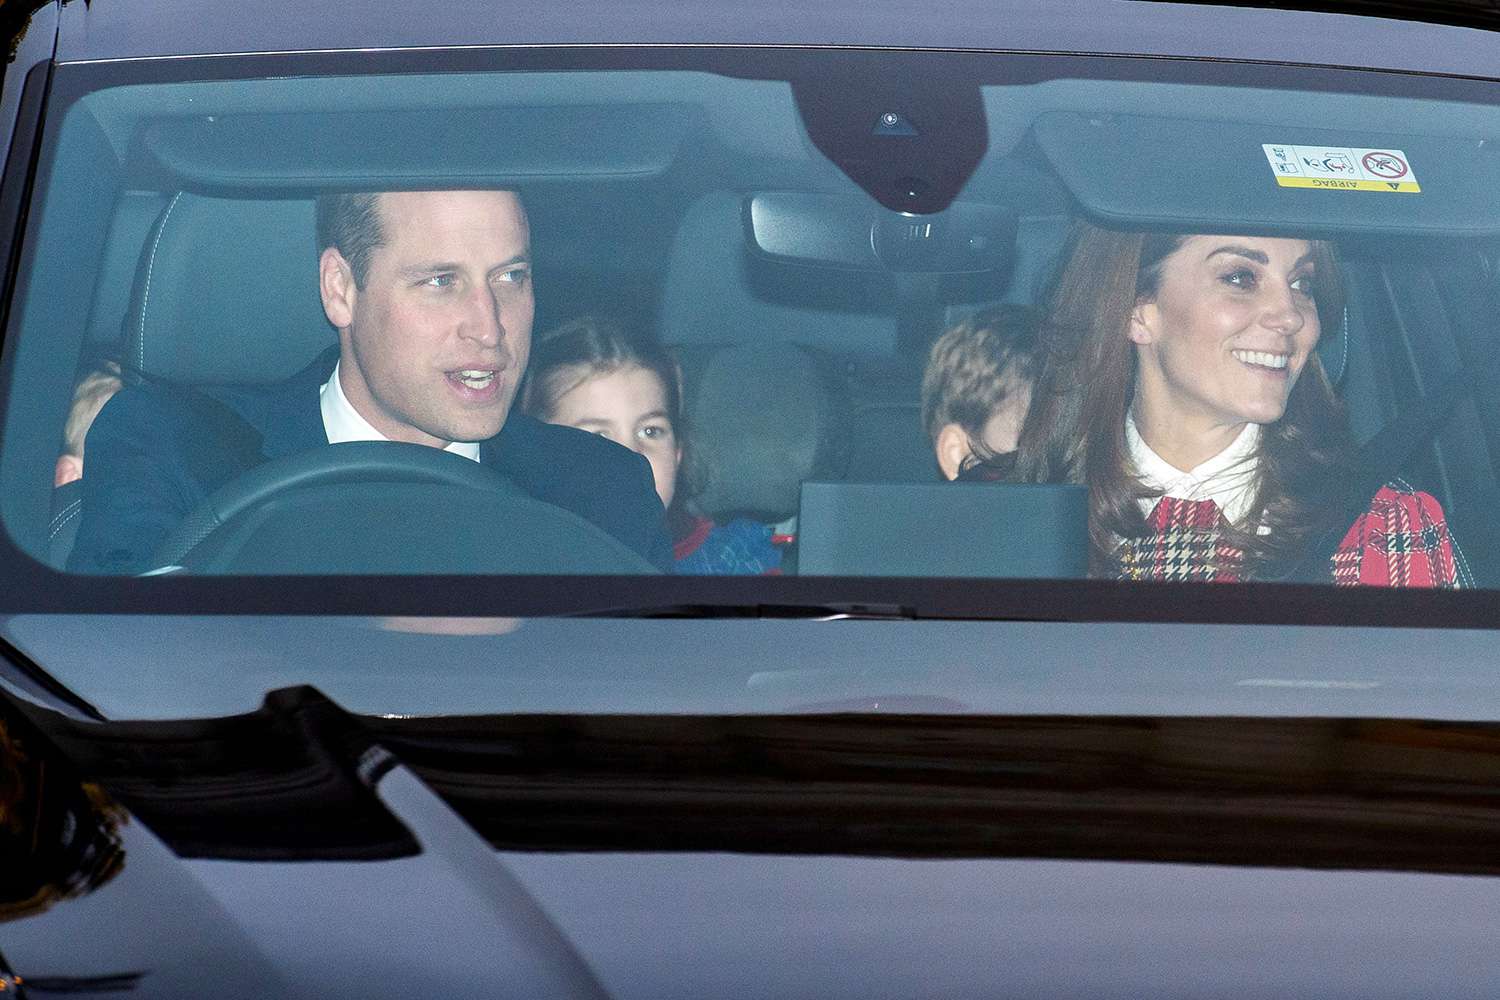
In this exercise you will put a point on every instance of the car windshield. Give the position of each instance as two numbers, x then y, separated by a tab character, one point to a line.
780	315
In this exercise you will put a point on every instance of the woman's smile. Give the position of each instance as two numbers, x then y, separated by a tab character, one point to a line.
1267	360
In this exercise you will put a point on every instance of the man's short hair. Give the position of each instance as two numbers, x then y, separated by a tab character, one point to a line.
93	390
350	223
974	366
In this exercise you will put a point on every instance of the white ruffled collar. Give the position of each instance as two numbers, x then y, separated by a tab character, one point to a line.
1228	479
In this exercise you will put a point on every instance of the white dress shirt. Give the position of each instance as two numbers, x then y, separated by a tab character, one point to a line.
1228	479
342	422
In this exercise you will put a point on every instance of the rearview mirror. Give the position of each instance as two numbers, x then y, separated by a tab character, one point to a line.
853	232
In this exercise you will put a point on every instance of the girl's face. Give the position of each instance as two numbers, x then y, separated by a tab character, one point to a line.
1227	333
628	406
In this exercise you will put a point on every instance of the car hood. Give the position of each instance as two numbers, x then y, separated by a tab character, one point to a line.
156	666
302	850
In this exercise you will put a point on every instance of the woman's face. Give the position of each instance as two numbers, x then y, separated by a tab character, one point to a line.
628	406
1227	333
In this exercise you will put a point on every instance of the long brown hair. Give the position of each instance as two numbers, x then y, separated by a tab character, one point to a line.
1075	429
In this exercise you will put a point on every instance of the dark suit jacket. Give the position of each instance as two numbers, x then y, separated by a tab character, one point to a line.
155	452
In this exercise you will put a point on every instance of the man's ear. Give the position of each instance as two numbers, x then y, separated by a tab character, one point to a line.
953	449
1143	320
336	285
69	468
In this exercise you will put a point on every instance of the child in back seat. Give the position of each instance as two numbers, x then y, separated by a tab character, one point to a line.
590	374
976	390
100	381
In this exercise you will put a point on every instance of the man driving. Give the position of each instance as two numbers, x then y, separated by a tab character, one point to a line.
431	295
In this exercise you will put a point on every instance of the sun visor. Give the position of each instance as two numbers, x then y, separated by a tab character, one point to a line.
487	145
1128	170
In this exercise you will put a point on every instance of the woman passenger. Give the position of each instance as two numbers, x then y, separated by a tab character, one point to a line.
1179	381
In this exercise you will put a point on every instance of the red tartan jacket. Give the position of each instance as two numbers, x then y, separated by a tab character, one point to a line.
1401	541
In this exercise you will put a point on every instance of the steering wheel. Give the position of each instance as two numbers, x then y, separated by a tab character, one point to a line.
386	507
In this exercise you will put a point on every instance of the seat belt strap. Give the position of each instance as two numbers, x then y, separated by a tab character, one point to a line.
223	444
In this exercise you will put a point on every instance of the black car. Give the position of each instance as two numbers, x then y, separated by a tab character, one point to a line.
1184	689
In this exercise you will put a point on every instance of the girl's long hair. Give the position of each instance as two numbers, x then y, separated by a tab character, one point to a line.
1075	428
568	355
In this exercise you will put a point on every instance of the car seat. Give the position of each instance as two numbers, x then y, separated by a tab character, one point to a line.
760	419
214	270
225	292
718	292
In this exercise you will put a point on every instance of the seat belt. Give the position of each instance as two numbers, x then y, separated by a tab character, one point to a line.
223	444
1377	463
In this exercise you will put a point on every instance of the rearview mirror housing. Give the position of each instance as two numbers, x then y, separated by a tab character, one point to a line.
852	232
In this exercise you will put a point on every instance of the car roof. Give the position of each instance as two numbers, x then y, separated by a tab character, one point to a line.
190	27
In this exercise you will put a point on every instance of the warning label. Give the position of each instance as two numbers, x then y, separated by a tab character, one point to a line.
1338	168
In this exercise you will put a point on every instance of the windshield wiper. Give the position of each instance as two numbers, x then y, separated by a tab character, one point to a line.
820	612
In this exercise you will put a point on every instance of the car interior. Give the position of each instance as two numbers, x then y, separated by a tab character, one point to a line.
174	221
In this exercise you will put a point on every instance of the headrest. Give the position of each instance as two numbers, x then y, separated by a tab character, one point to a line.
227	291
760	420
717	292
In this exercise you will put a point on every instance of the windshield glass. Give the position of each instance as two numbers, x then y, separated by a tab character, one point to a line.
764	314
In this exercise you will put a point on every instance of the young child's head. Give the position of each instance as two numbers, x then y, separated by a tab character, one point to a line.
590	374
977	386
94	389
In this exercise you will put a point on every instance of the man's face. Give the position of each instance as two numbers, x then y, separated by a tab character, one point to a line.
433	347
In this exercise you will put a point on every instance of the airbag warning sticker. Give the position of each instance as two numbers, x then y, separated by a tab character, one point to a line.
1340	169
